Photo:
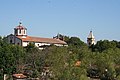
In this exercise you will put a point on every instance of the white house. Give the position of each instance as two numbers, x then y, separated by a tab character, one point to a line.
21	38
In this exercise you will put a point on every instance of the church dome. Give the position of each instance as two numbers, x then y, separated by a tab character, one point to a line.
20	26
20	30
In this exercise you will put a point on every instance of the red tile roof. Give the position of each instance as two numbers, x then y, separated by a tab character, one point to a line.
42	40
78	63
20	27
19	76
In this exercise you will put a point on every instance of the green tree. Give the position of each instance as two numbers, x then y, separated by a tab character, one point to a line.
75	41
61	62
103	45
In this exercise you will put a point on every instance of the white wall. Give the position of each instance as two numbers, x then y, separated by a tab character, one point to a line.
22	32
58	44
41	44
24	44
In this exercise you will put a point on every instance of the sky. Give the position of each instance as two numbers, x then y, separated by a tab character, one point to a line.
73	18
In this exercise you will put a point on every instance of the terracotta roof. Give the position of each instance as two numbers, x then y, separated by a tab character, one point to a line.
19	76
42	40
78	63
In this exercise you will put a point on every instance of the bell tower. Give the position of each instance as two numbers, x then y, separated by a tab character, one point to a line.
20	30
90	39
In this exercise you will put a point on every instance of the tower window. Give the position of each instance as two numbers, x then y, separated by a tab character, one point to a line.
24	31
20	32
15	31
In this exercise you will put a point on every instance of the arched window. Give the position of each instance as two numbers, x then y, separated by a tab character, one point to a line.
24	31
18	43
20	31
11	41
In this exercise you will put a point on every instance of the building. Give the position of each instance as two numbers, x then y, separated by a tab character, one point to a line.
59	36
19	77
90	39
21	38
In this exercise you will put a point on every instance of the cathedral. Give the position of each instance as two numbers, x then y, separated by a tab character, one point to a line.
21	38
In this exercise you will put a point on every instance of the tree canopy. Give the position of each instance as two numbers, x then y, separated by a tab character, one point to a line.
77	61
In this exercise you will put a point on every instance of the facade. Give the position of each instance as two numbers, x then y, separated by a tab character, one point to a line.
90	39
21	38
